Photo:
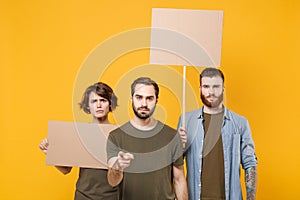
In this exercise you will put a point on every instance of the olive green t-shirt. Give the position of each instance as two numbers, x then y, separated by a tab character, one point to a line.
92	184
149	175
212	177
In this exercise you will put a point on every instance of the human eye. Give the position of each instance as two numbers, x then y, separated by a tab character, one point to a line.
93	100
217	86
150	98
138	97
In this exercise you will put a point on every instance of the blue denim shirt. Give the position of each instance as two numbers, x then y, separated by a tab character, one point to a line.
238	148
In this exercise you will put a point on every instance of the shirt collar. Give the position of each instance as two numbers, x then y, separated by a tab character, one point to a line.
226	113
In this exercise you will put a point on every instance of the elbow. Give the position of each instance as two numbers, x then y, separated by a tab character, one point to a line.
113	183
66	172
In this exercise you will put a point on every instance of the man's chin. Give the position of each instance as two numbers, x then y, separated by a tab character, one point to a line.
143	116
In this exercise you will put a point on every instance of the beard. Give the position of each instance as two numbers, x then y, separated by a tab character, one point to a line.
143	115
214	104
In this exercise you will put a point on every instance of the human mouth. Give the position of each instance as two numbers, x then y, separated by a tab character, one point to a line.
143	109
211	98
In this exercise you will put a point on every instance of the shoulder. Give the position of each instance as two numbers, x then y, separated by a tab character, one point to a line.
194	113
236	120
193	117
118	131
168	133
166	128
115	131
234	116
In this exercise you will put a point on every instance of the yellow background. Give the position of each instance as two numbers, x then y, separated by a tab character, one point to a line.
44	43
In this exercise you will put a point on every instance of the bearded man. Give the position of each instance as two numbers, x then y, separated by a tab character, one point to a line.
144	155
219	141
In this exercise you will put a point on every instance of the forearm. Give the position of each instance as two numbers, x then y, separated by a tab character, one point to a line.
181	190
117	166
114	177
251	180
115	172
180	185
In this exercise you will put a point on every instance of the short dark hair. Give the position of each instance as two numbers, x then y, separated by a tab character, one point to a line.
145	81
211	72
102	90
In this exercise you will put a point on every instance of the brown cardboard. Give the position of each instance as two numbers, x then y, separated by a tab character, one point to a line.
186	37
77	144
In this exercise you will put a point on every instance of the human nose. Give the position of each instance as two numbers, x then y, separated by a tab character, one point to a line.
99	104
211	90
144	102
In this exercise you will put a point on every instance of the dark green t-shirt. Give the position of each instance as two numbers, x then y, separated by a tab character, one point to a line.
155	151
212	177
92	184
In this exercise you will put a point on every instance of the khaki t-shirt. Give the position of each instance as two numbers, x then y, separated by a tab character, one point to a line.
149	175
212	177
93	184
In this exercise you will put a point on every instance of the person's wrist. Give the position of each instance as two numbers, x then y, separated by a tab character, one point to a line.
117	167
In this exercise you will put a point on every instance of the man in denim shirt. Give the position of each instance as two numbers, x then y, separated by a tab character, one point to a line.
217	141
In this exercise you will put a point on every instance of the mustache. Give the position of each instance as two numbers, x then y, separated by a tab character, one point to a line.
143	107
211	96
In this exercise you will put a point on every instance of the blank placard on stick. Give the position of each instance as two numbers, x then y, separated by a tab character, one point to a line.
186	37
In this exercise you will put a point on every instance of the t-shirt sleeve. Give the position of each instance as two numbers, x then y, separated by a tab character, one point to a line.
112	147
177	151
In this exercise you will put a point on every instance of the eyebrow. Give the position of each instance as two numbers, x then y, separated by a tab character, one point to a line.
138	95
95	99
212	85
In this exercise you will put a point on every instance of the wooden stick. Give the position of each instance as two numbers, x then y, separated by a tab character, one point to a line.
183	98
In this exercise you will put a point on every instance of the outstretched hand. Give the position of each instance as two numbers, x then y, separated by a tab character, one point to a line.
123	160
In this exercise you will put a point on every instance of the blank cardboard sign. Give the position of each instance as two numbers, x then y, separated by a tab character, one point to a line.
186	37
77	144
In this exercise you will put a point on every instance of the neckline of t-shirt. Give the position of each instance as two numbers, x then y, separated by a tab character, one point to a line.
135	132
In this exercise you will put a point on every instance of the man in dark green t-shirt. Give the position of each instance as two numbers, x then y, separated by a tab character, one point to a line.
145	155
